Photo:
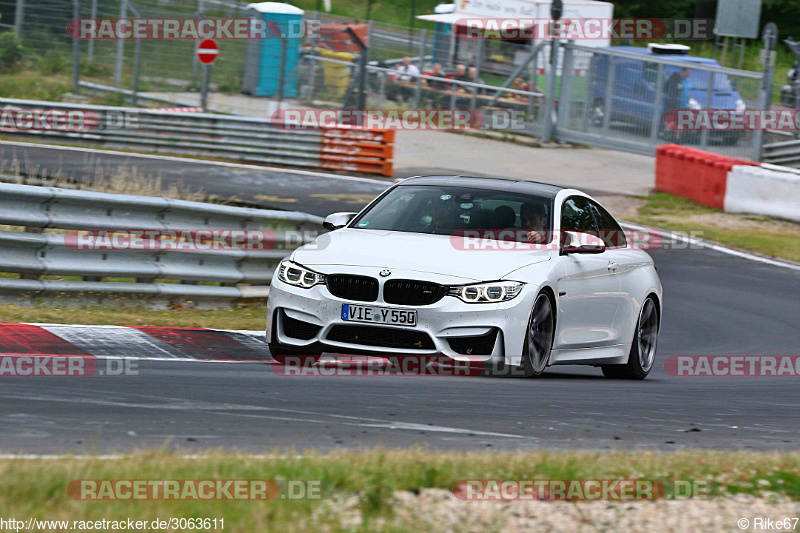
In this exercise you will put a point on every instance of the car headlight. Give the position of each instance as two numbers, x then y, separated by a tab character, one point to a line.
299	276
694	104
493	292
740	105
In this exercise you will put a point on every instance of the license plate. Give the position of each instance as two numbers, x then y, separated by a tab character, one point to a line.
378	315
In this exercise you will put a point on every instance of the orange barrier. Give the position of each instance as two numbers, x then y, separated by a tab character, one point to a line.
334	36
695	174
353	148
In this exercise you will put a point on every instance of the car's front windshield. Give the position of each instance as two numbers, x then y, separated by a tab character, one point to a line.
450	210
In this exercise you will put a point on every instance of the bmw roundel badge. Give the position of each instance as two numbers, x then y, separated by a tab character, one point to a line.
386	272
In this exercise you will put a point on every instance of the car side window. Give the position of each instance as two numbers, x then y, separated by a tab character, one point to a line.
610	231
576	215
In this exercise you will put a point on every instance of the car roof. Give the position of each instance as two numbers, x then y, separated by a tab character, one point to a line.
496	184
642	51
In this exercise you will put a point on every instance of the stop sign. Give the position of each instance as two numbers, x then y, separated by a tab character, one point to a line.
208	51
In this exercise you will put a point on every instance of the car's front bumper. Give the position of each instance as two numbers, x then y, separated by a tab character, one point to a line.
453	326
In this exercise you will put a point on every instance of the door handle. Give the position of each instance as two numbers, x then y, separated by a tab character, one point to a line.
613	266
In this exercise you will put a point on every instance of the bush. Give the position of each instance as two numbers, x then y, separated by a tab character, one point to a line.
10	51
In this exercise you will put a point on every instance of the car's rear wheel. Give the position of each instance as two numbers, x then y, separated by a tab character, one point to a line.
539	337
643	347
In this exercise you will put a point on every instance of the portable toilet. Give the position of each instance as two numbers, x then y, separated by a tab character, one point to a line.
263	56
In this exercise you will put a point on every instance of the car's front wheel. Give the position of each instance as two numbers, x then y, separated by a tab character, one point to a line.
539	337
643	347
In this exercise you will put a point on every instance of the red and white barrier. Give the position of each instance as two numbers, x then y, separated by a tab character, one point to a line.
728	183
763	191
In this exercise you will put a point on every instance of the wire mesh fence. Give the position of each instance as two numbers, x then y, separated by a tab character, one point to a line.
601	97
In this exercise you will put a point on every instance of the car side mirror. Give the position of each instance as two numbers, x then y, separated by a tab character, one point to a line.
335	221
575	242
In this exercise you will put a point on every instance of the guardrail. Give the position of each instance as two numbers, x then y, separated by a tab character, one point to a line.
251	139
173	272
785	153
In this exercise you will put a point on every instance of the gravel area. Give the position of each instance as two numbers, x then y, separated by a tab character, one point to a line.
438	510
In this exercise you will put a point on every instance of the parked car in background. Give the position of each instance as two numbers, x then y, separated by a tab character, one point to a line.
633	97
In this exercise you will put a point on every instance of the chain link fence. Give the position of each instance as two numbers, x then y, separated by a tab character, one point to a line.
613	97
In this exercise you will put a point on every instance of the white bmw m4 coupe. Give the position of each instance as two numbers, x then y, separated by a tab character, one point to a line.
501	272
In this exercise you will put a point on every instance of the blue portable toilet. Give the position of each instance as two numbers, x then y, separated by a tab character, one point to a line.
263	56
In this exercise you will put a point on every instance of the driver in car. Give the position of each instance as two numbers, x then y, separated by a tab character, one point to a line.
534	219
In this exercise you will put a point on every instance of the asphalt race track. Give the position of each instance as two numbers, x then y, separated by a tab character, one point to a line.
715	304
267	188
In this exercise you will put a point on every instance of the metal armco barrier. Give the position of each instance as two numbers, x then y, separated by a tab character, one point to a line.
189	276
251	139
785	153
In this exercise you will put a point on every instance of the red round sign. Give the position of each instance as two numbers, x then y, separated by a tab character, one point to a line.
208	51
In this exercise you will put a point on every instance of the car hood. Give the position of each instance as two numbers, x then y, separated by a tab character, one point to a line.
436	254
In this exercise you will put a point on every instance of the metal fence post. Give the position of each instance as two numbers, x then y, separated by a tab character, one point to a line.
549	97
19	18
565	94
770	37
76	52
612	67
123	12
195	61
92	15
204	89
418	95
312	56
478	63
137	64
709	96
655	123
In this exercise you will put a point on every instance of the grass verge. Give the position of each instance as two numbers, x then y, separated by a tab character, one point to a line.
372	479
253	318
767	236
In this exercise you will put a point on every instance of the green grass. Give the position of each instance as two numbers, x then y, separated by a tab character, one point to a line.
38	487
250	318
776	238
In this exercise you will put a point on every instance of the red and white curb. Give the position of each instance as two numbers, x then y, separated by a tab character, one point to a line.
152	343
141	342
